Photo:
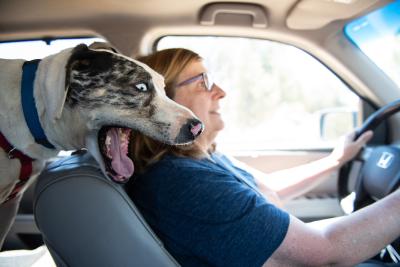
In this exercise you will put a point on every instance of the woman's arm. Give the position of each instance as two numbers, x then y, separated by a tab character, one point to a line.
284	185
296	181
344	242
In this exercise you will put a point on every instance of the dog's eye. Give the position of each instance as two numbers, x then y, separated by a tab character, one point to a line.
141	87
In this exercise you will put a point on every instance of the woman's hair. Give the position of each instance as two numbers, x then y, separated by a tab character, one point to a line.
142	149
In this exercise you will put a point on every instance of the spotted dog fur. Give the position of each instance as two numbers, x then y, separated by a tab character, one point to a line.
87	78
78	93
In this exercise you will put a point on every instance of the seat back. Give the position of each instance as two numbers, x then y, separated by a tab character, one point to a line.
88	220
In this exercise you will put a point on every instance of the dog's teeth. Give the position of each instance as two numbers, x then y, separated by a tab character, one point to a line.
123	136
108	144
108	141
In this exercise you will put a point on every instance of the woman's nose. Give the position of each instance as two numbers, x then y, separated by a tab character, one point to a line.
218	91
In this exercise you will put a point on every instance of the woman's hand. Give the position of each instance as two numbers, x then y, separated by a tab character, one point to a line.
347	148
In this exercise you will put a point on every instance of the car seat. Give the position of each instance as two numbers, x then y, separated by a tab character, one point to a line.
88	220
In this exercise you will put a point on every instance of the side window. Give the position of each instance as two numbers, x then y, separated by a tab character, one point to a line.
278	96
36	49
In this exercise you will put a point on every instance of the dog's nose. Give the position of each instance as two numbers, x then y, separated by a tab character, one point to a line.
196	127
189	131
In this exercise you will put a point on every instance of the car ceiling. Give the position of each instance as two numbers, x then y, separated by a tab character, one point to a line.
126	23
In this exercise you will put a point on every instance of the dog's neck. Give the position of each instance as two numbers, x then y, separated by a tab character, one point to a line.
70	129
12	121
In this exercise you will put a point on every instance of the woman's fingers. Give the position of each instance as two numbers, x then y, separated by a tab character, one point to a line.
364	138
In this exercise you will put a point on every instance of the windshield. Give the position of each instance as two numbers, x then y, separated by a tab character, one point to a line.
378	36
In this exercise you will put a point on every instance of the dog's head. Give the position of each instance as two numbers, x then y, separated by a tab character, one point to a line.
112	95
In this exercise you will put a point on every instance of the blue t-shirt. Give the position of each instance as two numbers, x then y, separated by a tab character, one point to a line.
205	216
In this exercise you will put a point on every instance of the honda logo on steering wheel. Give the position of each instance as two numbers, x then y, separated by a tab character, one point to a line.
385	160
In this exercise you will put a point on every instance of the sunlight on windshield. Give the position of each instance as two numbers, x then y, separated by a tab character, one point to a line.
378	36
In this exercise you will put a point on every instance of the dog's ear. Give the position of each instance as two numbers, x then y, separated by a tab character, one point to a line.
54	75
80	48
103	45
57	79
80	59
80	54
84	59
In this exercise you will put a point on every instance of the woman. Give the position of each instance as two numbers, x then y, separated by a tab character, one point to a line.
209	212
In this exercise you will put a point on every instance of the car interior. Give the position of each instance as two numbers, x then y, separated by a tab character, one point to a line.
298	75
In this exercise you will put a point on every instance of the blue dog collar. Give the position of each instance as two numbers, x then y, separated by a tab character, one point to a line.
28	103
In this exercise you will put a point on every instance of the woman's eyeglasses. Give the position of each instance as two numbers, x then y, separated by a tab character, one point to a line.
207	80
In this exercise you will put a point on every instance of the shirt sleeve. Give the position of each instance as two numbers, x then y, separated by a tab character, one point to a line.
219	219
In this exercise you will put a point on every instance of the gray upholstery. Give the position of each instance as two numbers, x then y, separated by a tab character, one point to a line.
88	220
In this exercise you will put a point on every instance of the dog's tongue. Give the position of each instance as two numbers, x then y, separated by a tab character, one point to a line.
120	163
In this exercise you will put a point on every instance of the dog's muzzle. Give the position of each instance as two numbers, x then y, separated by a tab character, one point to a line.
189	131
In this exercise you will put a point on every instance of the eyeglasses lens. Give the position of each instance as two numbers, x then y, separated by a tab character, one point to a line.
208	81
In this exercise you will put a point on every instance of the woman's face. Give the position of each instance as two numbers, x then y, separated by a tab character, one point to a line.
194	94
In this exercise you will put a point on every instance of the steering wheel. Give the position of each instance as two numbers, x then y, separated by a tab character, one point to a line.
375	171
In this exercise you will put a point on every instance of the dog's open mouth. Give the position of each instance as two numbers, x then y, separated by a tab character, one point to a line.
113	144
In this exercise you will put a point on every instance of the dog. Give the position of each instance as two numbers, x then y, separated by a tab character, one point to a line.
81	97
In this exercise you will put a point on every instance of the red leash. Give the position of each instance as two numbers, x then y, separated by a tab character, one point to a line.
26	166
